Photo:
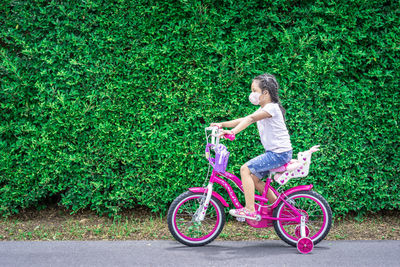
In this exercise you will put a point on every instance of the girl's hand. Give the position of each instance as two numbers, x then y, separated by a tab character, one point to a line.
219	125
225	132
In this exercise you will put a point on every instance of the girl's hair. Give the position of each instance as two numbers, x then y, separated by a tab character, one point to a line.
268	82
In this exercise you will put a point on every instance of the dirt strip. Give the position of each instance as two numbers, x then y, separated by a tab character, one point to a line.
58	224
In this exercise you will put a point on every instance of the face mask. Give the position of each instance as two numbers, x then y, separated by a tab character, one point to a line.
254	98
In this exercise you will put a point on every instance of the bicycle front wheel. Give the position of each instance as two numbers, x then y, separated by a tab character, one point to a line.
182	224
316	210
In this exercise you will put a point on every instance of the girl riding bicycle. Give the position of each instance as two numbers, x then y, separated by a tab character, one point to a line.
270	118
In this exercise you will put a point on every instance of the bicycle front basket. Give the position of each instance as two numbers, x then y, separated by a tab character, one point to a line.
221	158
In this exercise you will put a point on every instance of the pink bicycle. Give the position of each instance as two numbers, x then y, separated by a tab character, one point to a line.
300	217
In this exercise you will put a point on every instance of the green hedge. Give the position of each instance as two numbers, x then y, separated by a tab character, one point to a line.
104	103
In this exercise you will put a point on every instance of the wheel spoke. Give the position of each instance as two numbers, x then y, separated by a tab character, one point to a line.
314	210
316	216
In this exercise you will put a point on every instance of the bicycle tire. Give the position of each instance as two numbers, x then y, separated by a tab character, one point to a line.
214	206
320	234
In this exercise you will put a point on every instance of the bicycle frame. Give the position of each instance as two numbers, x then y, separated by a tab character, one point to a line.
214	178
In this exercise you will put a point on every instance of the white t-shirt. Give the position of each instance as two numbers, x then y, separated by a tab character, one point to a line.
273	132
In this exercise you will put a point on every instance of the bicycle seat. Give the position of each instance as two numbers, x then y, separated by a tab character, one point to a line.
290	166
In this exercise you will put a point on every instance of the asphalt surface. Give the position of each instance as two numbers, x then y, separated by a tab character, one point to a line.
218	253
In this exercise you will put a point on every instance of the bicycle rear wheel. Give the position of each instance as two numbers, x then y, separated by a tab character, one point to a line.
182	224
316	210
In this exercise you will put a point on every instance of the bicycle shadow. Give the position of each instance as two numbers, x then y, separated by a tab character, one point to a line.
220	251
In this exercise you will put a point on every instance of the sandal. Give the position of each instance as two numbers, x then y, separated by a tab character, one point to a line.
243	213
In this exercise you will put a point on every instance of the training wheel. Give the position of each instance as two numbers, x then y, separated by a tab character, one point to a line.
305	245
298	233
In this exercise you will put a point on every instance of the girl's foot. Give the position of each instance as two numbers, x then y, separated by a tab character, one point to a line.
243	213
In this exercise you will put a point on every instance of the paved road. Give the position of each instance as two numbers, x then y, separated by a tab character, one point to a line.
171	253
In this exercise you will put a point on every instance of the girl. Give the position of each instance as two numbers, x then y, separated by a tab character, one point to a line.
270	118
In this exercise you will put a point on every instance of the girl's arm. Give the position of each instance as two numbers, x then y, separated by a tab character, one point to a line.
248	120
231	124
245	122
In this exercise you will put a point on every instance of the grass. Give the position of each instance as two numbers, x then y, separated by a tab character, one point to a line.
57	224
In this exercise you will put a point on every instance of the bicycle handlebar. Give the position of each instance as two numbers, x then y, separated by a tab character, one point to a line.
212	128
216	131
219	130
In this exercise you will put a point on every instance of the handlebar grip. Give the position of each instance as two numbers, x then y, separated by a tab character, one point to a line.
229	136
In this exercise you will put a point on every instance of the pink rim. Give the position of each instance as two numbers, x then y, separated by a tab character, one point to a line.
201	238
315	200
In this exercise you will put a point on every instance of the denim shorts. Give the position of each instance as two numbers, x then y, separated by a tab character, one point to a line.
261	164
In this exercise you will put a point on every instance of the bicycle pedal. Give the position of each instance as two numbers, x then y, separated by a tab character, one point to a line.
240	219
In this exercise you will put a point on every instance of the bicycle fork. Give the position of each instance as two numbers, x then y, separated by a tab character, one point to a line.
303	226
201	211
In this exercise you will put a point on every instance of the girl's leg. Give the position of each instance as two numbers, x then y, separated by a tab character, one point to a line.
260	185
248	187
259	166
